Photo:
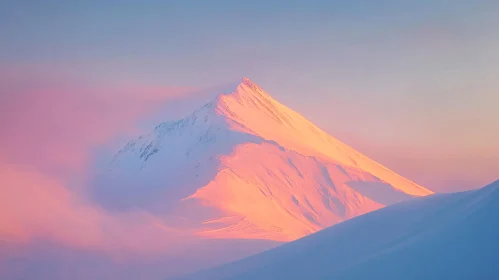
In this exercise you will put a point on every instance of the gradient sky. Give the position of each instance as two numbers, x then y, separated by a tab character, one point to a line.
412	85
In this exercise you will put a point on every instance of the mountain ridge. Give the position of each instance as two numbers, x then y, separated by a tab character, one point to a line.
265	171
287	117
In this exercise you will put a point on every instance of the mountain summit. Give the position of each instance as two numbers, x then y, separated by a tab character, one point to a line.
246	166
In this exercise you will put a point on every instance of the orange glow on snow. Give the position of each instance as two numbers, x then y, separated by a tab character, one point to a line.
291	130
285	202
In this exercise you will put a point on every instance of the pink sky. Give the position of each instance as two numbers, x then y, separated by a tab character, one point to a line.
50	129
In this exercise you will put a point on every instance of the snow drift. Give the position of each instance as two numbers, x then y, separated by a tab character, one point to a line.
451	236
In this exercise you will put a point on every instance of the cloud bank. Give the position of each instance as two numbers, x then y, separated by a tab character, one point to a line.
51	125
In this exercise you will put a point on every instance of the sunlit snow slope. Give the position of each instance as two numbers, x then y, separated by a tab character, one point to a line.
246	166
451	236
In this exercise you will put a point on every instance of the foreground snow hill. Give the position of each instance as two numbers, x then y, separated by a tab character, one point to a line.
451	236
245	166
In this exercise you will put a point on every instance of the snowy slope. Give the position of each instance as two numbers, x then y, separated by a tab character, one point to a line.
452	236
245	166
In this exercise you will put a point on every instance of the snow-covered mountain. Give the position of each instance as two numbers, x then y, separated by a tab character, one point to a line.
451	236
246	166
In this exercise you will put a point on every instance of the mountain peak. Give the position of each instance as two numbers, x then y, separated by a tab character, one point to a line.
246	96
247	82
265	170
249	88
250	105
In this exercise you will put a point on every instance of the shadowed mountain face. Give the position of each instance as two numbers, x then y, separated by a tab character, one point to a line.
246	167
452	236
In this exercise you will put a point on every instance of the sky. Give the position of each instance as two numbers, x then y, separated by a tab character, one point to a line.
411	84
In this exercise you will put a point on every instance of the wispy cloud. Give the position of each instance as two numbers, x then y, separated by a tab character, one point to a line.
50	126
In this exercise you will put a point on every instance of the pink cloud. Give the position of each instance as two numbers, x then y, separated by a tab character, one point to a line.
37	207
50	126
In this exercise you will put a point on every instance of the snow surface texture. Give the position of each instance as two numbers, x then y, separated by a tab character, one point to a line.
452	236
246	167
